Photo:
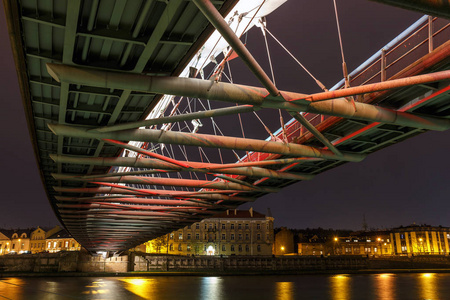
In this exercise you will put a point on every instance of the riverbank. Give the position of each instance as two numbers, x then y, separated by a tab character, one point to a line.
132	264
215	273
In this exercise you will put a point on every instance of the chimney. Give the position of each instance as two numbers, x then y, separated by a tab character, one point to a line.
251	212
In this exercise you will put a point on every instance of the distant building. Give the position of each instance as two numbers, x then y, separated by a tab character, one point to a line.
37	243
420	240
284	242
313	246
234	232
405	241
373	243
61	241
15	241
19	241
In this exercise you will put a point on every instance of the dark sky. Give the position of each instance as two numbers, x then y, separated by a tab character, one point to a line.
405	183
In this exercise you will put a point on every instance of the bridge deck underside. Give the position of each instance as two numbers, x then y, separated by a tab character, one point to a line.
159	39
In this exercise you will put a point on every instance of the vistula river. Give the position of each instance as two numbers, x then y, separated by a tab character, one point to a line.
342	286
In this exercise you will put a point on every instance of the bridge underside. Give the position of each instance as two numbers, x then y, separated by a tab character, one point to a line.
91	73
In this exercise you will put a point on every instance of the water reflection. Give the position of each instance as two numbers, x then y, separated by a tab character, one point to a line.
385	286
142	287
428	286
12	288
340	287
211	288
98	287
285	290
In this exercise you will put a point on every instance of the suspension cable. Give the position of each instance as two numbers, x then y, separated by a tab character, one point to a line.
344	65
320	84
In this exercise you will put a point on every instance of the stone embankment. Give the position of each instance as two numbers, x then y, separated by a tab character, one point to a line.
83	263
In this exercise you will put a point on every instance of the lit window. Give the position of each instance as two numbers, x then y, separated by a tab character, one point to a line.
180	236
67	244
171	236
49	245
188	248
54	244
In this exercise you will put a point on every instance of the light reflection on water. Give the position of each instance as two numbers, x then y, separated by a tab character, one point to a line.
385	286
428	286
211	288
285	290
340	287
285	287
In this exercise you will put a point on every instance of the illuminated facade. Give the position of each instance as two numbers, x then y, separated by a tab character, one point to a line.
367	243
234	232
22	241
15	241
408	241
420	240
61	241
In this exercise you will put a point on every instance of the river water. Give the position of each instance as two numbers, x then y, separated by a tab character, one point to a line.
342	286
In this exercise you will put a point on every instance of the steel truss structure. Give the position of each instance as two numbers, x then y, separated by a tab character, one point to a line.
90	74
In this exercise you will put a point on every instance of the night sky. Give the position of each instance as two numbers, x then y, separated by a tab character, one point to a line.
399	185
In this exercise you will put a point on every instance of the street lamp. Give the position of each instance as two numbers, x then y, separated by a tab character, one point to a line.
379	246
334	245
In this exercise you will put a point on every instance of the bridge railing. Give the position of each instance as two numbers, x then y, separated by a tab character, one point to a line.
425	35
